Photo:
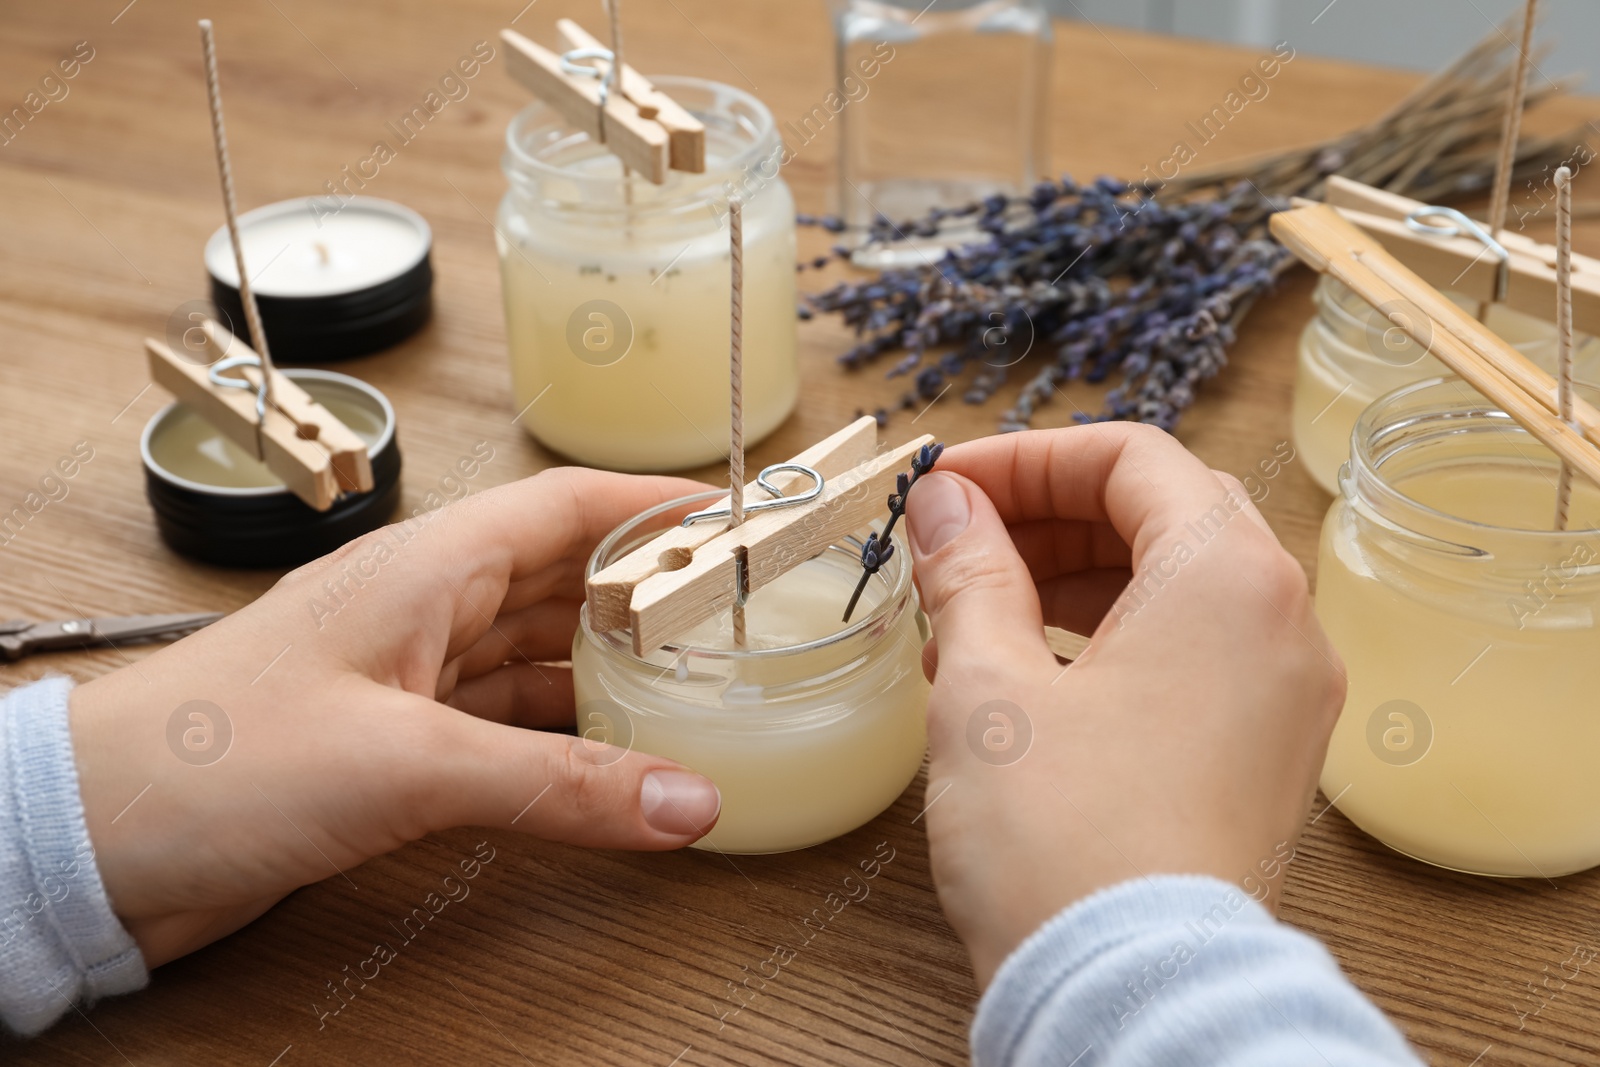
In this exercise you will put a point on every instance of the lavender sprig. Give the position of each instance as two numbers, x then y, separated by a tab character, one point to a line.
878	549
1105	278
1101	276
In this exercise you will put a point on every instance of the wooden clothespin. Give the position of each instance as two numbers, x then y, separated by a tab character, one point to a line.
686	135
689	574
259	409
1328	243
1524	278
642	126
317	456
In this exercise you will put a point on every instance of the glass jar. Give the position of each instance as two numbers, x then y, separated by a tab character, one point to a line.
616	290
811	730
914	138
1350	355
1470	632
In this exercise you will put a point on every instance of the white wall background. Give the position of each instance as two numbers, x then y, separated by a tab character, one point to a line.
1417	34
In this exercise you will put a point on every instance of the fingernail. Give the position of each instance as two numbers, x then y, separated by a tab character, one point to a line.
679	802
936	510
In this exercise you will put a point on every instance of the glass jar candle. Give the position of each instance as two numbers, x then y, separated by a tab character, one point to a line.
616	290
810	730
1470	631
1350	354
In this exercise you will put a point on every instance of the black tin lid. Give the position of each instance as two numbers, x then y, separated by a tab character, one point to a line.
334	279
262	524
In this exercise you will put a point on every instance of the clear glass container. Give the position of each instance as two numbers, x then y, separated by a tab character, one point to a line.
1350	355
1470	632
915	137
617	290
811	730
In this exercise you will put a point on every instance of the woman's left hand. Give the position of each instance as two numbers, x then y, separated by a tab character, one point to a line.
393	688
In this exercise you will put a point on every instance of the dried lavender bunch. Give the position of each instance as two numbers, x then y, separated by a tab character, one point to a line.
876	552
1103	276
1104	279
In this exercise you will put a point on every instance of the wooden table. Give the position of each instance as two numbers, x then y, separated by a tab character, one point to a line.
559	955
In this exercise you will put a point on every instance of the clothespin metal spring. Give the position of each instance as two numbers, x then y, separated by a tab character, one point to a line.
1421	221
779	499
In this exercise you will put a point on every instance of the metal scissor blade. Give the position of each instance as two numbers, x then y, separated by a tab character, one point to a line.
94	633
128	628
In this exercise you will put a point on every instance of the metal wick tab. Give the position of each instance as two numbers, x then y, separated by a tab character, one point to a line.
779	500
1420	221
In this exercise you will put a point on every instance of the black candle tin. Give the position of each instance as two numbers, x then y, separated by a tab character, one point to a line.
255	521
385	297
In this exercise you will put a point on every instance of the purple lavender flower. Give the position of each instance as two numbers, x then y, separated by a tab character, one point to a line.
1112	282
879	549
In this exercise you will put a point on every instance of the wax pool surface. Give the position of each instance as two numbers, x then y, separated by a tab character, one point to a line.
797	762
190	447
299	252
1482	754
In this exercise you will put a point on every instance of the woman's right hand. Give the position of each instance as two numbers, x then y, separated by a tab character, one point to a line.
1188	739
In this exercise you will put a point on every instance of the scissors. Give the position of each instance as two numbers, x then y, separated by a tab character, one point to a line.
21	638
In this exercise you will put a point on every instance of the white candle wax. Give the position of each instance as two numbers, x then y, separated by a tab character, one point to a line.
1502	714
617	303
1339	370
291	250
186	446
806	739
1468	628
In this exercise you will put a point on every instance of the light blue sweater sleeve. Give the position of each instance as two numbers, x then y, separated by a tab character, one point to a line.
1176	970
60	942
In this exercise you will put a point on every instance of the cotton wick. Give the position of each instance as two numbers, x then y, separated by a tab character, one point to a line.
614	11
219	137
1510	133
736	395
1564	331
1511	127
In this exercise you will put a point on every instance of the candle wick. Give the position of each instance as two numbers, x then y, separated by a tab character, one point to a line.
736	395
322	252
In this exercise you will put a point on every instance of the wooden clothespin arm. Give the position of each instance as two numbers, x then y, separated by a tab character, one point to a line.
1345	193
352	465
302	466
1328	243
686	134
1462	264
688	575
641	143
301	451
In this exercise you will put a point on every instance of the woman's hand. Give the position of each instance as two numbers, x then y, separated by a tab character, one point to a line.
388	690
1188	738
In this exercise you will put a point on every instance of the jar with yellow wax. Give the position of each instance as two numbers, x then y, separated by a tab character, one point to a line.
1470	631
809	730
1350	354
616	290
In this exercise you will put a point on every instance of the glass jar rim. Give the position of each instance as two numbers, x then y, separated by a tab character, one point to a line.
1362	477
539	113
899	582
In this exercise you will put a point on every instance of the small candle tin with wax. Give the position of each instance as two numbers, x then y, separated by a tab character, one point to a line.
216	503
333	280
810	729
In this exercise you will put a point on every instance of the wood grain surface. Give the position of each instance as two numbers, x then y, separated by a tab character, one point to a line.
561	956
